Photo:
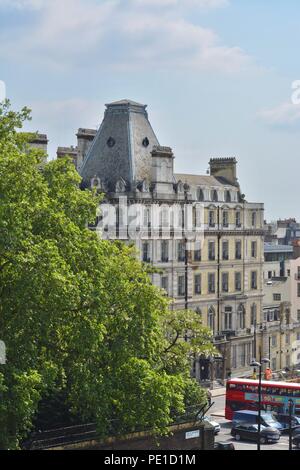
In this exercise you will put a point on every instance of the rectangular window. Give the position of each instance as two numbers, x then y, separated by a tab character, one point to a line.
253	280
147	217
211	251
225	250
277	297
243	355
298	289
274	363
233	354
164	283
225	219
238	281
238	249
197	254
225	277
164	218
197	284
274	341
228	319
238	219
253	314
253	219
146	257
181	251
298	336
211	283
164	251
181	286
198	216
254	249
298	315
211	218
287	338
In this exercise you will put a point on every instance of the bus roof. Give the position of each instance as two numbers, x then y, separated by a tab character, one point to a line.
250	412
265	383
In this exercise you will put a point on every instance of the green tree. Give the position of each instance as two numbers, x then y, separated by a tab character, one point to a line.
79	315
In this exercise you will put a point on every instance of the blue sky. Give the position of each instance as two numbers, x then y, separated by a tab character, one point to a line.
216	75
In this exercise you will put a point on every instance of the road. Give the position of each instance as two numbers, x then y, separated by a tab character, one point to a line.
217	413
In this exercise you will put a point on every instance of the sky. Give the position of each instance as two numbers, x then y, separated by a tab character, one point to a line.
216	75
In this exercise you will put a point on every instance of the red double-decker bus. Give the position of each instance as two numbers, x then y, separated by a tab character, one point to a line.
242	394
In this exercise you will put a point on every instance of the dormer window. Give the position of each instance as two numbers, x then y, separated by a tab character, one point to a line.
227	196
214	196
180	187
111	142
200	195
120	186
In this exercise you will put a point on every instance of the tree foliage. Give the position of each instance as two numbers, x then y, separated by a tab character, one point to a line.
79	314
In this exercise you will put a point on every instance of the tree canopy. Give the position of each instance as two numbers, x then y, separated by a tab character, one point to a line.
79	314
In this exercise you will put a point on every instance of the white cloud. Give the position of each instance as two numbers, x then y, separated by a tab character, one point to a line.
182	3
22	4
120	34
286	115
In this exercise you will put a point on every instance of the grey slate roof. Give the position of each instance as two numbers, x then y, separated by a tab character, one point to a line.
202	180
269	248
126	102
122	146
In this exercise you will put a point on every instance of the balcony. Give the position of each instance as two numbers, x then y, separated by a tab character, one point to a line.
244	332
228	333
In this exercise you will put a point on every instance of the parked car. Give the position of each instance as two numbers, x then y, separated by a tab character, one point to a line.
296	441
249	432
224	446
251	417
284	420
215	425
296	431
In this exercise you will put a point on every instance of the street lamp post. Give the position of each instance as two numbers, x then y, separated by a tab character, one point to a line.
291	406
258	365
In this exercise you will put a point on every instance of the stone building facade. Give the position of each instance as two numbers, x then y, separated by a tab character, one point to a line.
219	272
279	331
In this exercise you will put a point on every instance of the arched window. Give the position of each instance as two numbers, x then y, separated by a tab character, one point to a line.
241	317
200	195
211	318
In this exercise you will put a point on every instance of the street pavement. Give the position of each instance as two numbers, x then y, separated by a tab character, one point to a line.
217	414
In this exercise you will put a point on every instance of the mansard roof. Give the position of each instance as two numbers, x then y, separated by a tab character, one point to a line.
127	103
122	146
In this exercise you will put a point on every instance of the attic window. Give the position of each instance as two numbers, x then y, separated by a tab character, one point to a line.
146	142
111	142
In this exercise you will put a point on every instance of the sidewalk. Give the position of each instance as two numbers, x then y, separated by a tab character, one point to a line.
218	392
